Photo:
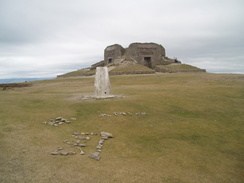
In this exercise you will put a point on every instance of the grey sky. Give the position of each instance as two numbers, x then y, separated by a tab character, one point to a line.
50	37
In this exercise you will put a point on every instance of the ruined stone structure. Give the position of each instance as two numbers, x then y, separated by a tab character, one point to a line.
148	54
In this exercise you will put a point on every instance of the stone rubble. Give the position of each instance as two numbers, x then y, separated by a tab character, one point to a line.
58	121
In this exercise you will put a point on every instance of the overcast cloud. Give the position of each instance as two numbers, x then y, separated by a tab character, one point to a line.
49	37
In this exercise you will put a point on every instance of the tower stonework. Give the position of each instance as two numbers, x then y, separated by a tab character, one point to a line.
148	54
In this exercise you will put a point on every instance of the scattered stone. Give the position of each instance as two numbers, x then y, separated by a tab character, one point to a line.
71	153
81	151
82	145
54	153
102	115
99	147
63	120
60	148
106	134
76	133
82	133
88	138
64	153
57	121
82	138
105	138
78	141
101	141
95	156
73	119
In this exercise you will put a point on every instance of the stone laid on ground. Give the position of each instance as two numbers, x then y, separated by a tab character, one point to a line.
58	121
122	113
80	141
95	156
106	134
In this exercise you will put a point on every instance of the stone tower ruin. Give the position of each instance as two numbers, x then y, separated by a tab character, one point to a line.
148	54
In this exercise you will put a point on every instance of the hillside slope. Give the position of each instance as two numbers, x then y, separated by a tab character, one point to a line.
178	127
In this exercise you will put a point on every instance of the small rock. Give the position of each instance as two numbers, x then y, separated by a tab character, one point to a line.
55	124
88	138
106	134
60	148
60	123
59	118
82	133
82	145
68	122
73	119
82	138
63	120
82	152
105	138
99	147
87	133
76	133
101	141
55	153
72	153
78	141
95	156
64	153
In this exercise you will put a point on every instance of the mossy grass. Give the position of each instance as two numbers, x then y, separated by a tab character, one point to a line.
193	130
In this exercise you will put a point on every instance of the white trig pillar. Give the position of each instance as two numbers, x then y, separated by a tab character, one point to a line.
102	83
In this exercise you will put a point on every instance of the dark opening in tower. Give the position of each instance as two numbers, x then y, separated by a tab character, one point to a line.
148	62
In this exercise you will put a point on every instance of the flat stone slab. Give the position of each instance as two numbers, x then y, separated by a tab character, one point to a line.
95	156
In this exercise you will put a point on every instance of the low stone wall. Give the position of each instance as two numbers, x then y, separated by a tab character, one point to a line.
157	69
69	76
130	72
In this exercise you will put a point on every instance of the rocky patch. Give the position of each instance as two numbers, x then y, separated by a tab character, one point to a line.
58	121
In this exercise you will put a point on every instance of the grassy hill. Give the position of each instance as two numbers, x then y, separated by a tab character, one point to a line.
81	72
178	68
193	130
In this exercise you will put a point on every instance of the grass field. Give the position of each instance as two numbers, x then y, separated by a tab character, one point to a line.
192	133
